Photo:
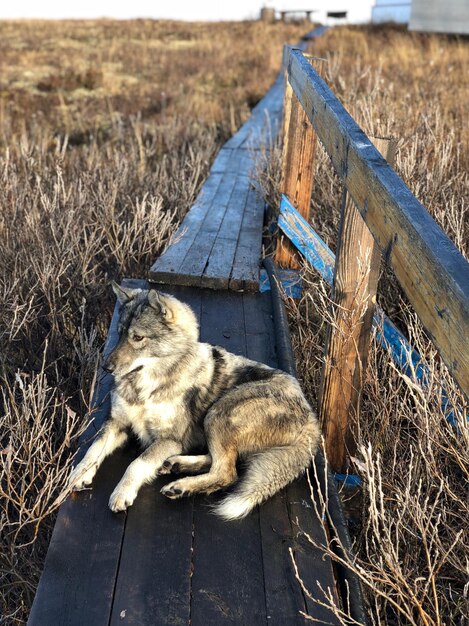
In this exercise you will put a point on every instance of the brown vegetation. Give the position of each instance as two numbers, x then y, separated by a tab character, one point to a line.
411	532
107	130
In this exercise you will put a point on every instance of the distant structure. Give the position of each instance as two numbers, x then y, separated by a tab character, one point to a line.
296	13
268	15
330	12
397	11
440	16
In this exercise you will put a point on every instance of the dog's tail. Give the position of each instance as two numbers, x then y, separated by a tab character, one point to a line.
270	471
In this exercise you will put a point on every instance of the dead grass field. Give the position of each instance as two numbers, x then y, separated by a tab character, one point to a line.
107	130
411	531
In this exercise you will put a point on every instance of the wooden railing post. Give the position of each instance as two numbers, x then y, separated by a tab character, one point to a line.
346	354
299	148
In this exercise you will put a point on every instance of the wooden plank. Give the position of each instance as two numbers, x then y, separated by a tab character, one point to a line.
313	566
298	161
220	262
243	162
193	266
283	595
245	272
154	581
222	160
168	264
222	320
306	240
347	343
77	583
227	581
287	516
437	283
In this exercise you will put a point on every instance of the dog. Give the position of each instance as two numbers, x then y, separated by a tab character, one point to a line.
178	395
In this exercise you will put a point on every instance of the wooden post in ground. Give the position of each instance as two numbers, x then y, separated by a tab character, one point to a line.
299	148
354	295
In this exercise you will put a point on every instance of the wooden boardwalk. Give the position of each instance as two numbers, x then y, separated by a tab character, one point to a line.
218	244
168	562
173	562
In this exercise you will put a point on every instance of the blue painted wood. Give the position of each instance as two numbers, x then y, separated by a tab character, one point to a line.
349	480
311	246
321	257
290	279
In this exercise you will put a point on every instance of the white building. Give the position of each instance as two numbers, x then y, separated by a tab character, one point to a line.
440	16
391	11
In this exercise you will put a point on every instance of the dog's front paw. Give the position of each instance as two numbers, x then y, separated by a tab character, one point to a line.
121	498
81	477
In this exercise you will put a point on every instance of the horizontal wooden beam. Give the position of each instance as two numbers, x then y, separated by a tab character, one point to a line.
430	269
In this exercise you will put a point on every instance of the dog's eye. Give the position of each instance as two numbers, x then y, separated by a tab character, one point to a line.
137	338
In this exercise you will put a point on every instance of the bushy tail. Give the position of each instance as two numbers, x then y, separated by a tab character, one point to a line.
268	472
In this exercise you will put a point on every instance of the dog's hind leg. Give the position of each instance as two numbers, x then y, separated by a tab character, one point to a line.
187	464
222	474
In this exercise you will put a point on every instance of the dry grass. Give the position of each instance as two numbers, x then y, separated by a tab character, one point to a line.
411	536
107	130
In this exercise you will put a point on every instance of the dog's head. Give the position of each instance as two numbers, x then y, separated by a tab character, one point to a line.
152	326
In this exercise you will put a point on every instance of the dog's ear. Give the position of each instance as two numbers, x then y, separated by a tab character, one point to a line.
160	303
124	294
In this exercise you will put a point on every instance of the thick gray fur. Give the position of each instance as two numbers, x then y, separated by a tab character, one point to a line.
178	396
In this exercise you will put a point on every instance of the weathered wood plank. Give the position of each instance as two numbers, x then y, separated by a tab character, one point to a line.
348	339
192	267
153	583
306	240
227	581
283	595
220	262
437	283
168	264
222	160
77	583
224	209
245	272
313	567
298	161
154	580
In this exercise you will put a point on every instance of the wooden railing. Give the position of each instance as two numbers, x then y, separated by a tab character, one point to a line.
380	219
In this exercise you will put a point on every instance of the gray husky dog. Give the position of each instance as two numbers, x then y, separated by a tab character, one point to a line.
178	395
